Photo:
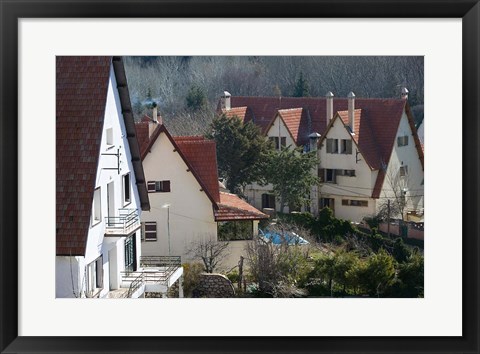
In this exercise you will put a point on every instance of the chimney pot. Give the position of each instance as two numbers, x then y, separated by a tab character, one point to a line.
225	101
404	93
351	111
329	97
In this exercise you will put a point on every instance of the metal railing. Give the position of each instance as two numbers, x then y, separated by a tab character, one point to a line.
127	220
156	270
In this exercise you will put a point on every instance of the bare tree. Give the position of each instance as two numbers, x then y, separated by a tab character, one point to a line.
209	251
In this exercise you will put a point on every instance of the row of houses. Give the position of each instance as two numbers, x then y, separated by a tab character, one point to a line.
133	200
369	151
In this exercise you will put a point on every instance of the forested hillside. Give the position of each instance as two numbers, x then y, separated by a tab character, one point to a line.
187	89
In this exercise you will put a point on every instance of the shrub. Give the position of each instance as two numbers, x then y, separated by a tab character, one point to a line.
191	277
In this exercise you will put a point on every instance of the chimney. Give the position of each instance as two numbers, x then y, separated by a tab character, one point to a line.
351	111
155	112
313	139
329	97
225	101
404	93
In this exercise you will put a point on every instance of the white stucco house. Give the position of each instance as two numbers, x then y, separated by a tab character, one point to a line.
100	184
186	203
368	149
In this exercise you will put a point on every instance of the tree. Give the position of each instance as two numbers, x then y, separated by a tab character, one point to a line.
290	173
379	273
278	269
302	88
209	251
410	276
241	151
196	98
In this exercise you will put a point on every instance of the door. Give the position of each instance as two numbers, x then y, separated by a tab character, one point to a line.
130	254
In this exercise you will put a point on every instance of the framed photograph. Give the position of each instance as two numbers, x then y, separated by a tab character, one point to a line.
132	84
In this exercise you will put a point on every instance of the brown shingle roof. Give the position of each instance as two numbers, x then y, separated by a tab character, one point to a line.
232	208
81	91
81	95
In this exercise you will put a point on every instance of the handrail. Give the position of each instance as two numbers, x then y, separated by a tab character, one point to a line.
127	219
135	285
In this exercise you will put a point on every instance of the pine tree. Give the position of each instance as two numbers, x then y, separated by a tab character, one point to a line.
302	88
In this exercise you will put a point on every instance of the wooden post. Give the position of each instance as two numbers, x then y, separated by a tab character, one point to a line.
240	273
388	218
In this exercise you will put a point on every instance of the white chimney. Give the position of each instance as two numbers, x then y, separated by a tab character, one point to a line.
329	97
351	111
155	112
225	101
404	93
313	140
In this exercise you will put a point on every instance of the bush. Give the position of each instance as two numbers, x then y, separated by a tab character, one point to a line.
191	277
233	276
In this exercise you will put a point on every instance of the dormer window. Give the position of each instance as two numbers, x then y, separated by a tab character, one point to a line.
277	142
346	146
332	146
402	140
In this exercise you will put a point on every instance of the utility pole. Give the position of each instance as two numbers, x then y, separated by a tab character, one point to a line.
388	218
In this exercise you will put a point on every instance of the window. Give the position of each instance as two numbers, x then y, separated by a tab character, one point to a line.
327	203
150	231
358	203
268	201
330	176
278	142
402	140
94	277
332	146
348	173
403	171
346	146
126	189
109	137
158	186
97	206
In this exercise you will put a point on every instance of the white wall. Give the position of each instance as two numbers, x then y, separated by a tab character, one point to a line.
409	157
97	244
278	129
359	187
68	276
191	211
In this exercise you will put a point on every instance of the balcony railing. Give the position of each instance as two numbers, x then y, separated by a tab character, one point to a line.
153	270
127	222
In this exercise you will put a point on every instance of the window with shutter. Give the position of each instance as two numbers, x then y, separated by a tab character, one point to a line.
158	186
283	141
346	146
321	174
330	176
332	146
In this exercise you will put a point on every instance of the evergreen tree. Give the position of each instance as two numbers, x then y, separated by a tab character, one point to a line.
302	88
196	98
241	151
290	172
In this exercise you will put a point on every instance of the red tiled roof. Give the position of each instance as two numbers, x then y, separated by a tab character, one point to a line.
232	208
376	122
81	93
202	156
296	121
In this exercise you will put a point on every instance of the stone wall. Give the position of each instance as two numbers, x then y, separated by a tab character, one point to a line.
214	285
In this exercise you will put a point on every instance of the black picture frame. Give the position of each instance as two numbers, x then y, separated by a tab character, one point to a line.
11	11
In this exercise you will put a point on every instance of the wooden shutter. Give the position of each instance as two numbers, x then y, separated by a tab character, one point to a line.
151	186
329	146
321	174
150	230
284	141
348	149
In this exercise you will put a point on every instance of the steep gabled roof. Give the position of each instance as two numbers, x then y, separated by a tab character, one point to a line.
376	122
233	208
81	96
199	156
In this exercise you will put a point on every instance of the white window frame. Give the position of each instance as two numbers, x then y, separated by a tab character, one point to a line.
109	138
97	206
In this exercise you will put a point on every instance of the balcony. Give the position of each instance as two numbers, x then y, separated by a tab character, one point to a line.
156	274
125	224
